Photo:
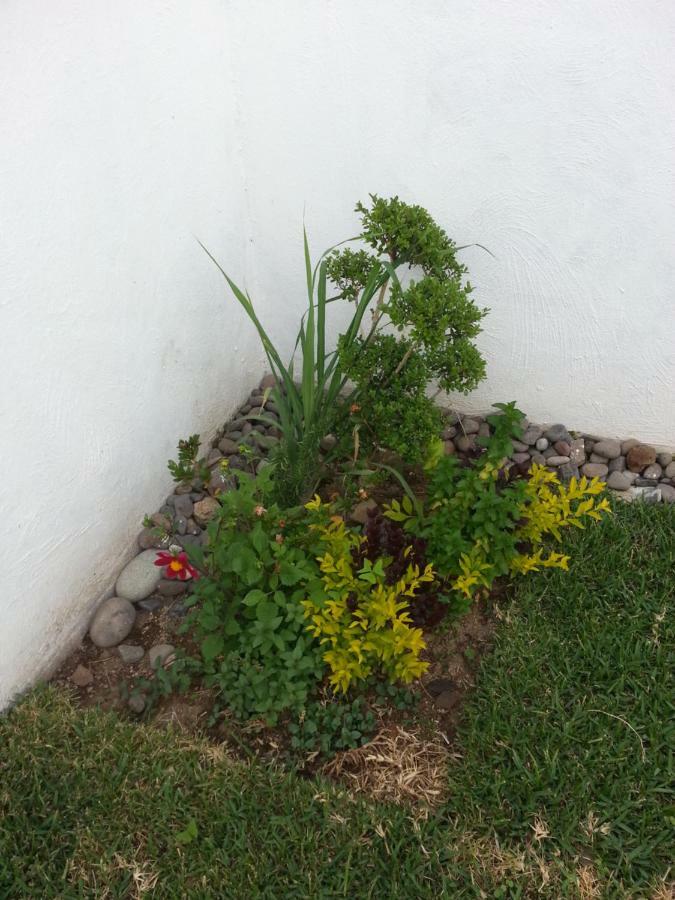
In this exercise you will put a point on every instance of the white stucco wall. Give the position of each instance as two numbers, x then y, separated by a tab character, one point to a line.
541	129
118	146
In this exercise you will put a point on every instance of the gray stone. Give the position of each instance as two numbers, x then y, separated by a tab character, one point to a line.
227	446
470	426
149	605
180	525
667	493
171	587
556	461
220	482
465	442
183	488
562	448
246	429
521	458
549	452
647	494
618	464
653	472
568	471
541	444
618	481
484	430
577	452
608	449
82	676
448	433
538	458
266	441
558	432
595	470
130	653
598	458
628	445
449	448
112	621
267	382
588	446
359	513
153	537
136	703
184	506
532	435
160	654
664	459
214	457
520	447
139	578
328	443
205	510
670	470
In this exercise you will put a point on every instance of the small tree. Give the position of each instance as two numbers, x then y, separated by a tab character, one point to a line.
420	334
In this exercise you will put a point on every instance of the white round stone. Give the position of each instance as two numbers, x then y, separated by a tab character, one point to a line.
139	578
112	622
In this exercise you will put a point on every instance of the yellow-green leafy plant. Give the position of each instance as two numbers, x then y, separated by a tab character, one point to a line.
362	622
481	523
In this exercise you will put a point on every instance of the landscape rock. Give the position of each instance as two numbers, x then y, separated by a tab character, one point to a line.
205	510
520	446
557	460
653	472
267	382
82	676
171	587
667	493
521	458
639	456
154	537
664	459
670	470
470	426
618	481
359	513
608	449
130	653
563	448
577	452
484	430
595	470
150	604
112	621
160	654
228	446
541	444
558	432
448	699
628	445
531	435
567	471
465	442
538	458
449	448
219	483
139	578
618	464
136	703
184	506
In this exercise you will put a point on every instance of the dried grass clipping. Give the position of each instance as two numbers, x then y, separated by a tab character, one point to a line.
396	766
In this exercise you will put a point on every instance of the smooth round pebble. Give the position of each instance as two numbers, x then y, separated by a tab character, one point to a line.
130	653
594	470
654	472
557	460
619	481
608	449
667	493
670	470
139	578
541	444
470	426
112	622
159	654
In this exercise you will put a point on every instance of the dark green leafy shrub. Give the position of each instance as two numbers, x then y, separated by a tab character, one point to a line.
249	622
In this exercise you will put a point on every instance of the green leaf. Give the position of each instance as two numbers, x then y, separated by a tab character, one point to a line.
254	597
189	834
212	646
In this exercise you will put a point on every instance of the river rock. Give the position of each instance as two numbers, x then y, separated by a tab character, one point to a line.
227	446
607	449
618	481
577	452
618	464
670	470
558	432
470	426
130	653
640	456
556	461
653	472
541	444
160	654
112	621
595	470
628	445
205	510
667	493
139	578
532	435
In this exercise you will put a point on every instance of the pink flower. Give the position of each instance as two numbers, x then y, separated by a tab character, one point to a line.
177	565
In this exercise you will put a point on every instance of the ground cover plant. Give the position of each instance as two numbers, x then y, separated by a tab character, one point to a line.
559	780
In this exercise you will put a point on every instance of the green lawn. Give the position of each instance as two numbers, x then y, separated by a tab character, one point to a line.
563	788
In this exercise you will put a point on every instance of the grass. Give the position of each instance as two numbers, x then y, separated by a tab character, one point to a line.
563	787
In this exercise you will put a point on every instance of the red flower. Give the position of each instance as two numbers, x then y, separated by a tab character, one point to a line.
177	565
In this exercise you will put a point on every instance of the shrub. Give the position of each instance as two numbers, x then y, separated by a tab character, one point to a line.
364	621
434	322
479	523
248	616
324	727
